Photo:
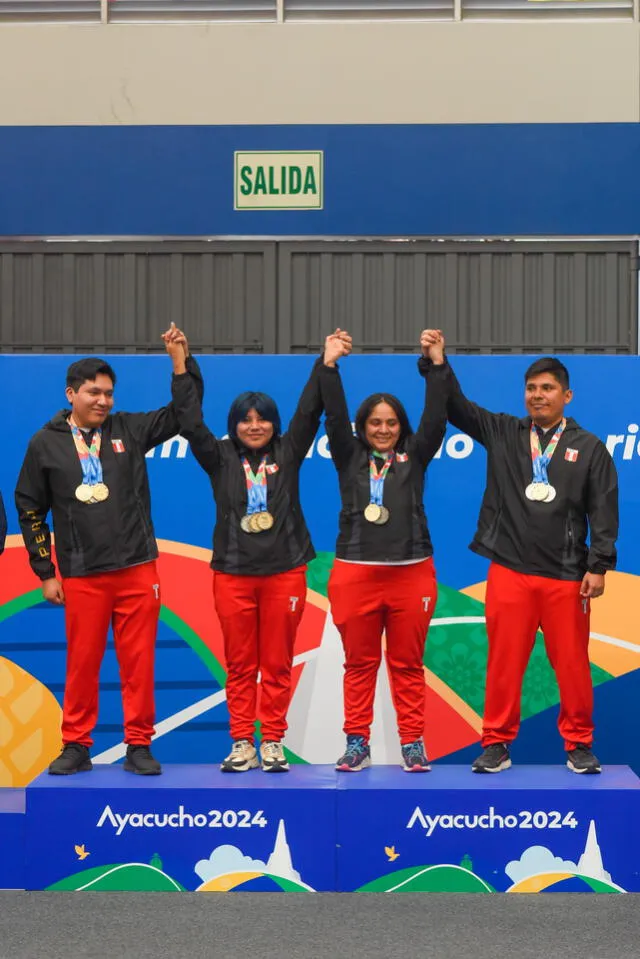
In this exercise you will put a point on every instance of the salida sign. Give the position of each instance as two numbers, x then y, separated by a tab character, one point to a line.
278	180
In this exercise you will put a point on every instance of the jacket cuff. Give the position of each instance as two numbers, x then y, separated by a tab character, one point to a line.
428	368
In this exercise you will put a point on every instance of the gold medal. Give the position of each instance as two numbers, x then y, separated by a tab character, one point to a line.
384	516
84	493
253	523
264	521
245	524
372	513
100	492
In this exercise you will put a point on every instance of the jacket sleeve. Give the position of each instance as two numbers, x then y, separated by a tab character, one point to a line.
3	525
480	424
33	501
339	431
433	422
306	419
602	510
151	429
187	403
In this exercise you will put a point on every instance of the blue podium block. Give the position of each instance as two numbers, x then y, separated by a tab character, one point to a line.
12	835
528	829
192	828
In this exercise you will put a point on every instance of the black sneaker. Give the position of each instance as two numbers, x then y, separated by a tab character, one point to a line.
356	756
494	759
74	758
582	760
139	760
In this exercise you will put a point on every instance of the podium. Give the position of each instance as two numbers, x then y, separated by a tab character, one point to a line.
528	829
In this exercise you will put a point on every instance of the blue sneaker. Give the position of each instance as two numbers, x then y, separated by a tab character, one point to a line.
356	756
414	758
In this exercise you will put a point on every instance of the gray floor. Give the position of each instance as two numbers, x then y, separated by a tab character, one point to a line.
42	925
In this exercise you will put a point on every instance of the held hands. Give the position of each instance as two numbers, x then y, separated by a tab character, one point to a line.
336	346
177	347
52	591
432	345
592	586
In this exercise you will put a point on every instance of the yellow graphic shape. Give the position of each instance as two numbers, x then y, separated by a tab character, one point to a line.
615	623
29	725
446	693
390	851
227	882
539	882
81	852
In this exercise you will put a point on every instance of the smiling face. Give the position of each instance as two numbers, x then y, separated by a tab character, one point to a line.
545	399
253	431
382	428
92	402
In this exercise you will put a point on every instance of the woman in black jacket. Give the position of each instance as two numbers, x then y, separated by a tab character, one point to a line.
383	579
261	546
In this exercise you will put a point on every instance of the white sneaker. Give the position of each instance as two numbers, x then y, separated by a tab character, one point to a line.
273	757
243	756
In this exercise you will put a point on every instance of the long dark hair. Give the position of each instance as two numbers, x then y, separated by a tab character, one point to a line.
364	412
261	402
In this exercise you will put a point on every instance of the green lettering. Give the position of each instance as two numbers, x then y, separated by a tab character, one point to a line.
260	185
310	181
245	176
295	179
273	189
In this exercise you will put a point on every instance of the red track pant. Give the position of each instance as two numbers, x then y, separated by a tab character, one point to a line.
365	601
259	617
517	605
128	600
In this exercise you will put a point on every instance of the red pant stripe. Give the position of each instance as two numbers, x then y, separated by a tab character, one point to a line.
399	600
517	605
259	617
129	600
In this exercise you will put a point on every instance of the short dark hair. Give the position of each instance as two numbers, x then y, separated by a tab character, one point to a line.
364	412
261	402
87	369
549	364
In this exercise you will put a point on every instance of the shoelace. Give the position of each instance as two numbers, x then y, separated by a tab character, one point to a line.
413	752
272	750
239	747
355	748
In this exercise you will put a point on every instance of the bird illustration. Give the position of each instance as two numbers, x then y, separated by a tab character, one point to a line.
390	851
81	852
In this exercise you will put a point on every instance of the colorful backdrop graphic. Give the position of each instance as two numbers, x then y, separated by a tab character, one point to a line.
191	707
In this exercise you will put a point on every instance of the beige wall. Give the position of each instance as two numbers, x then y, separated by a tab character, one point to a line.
319	73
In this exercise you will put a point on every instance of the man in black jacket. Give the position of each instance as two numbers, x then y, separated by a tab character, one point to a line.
87	465
549	483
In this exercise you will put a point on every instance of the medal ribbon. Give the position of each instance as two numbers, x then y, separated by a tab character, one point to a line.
256	486
539	459
376	480
89	456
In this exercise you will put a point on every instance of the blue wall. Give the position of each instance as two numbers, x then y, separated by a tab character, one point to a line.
400	180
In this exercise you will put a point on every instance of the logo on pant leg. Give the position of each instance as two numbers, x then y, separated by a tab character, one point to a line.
156	590
293	602
426	600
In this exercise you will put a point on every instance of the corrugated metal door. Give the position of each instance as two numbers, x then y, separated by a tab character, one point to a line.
108	297
489	297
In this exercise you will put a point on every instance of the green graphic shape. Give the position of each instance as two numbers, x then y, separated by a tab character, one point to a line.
287	885
118	877
439	878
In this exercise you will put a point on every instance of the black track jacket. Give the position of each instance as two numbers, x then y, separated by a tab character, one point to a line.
97	537
406	535
287	544
542	539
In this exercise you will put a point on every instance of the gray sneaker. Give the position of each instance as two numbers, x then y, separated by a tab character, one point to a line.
494	759
582	760
243	756
273	757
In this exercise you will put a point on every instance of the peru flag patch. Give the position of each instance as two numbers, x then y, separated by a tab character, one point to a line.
402	457
272	468
118	446
571	455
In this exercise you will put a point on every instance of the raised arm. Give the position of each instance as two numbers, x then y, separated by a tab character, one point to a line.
433	422
337	421
306	419
480	424
151	429
187	403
